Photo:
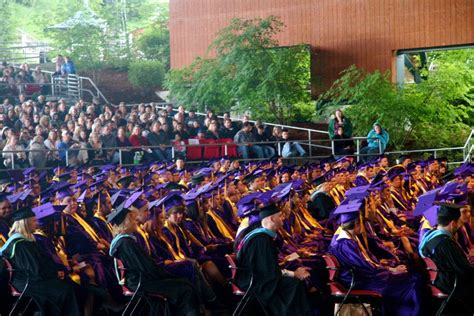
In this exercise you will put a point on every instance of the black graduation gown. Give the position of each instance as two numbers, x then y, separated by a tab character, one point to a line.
281	294
55	296
449	256
155	279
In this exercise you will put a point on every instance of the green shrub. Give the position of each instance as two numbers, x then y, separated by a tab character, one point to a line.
146	73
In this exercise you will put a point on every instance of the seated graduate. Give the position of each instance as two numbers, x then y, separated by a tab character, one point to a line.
154	279
150	225
401	291
283	292
439	245
53	295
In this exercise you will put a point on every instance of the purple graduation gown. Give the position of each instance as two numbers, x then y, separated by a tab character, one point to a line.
401	293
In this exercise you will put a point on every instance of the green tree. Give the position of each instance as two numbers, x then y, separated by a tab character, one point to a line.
146	74
250	72
417	116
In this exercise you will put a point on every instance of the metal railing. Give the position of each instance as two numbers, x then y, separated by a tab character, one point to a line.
467	150
71	86
310	132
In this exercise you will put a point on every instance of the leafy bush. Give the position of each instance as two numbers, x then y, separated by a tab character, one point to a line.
434	113
146	73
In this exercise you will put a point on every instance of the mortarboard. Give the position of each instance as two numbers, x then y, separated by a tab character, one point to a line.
395	171
118	215
431	214
348	211
169	201
22	213
358	193
425	201
135	201
48	211
268	210
449	211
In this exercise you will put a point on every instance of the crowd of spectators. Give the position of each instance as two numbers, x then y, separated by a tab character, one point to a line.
25	80
48	133
51	132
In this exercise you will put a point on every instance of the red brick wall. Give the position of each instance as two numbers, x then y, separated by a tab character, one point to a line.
341	32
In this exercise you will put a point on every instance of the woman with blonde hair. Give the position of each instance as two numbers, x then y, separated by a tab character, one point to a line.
53	296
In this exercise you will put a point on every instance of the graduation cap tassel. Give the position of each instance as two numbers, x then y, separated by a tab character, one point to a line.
225	187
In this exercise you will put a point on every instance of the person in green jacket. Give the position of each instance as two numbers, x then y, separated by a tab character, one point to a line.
340	120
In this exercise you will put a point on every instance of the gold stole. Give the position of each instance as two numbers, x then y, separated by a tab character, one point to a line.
89	230
234	209
399	202
308	217
172	230
102	218
221	226
61	253
388	222
2	240
145	237
175	255
363	251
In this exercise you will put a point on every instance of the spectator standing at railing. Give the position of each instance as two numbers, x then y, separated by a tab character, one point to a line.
244	139
376	143
95	150
291	149
19	158
59	62
68	68
40	79
340	120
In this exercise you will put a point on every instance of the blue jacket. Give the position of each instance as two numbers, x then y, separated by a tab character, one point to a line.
375	138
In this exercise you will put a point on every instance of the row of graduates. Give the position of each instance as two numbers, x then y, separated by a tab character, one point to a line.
184	234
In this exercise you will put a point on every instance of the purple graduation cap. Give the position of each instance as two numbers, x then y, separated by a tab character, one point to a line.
169	201
48	211
358	193
135	201
349	211
425	201
431	214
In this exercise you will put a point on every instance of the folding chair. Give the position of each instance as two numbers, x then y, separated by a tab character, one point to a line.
211	152
435	291
19	295
137	294
338	291
246	296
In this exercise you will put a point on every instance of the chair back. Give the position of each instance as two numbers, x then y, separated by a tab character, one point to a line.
432	269
11	271
233	269
120	273
332	265
194	151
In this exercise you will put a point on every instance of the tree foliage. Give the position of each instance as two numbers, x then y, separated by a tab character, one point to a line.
250	72
435	113
146	73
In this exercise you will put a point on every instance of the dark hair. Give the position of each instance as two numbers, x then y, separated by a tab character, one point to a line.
447	214
247	124
285	130
349	225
